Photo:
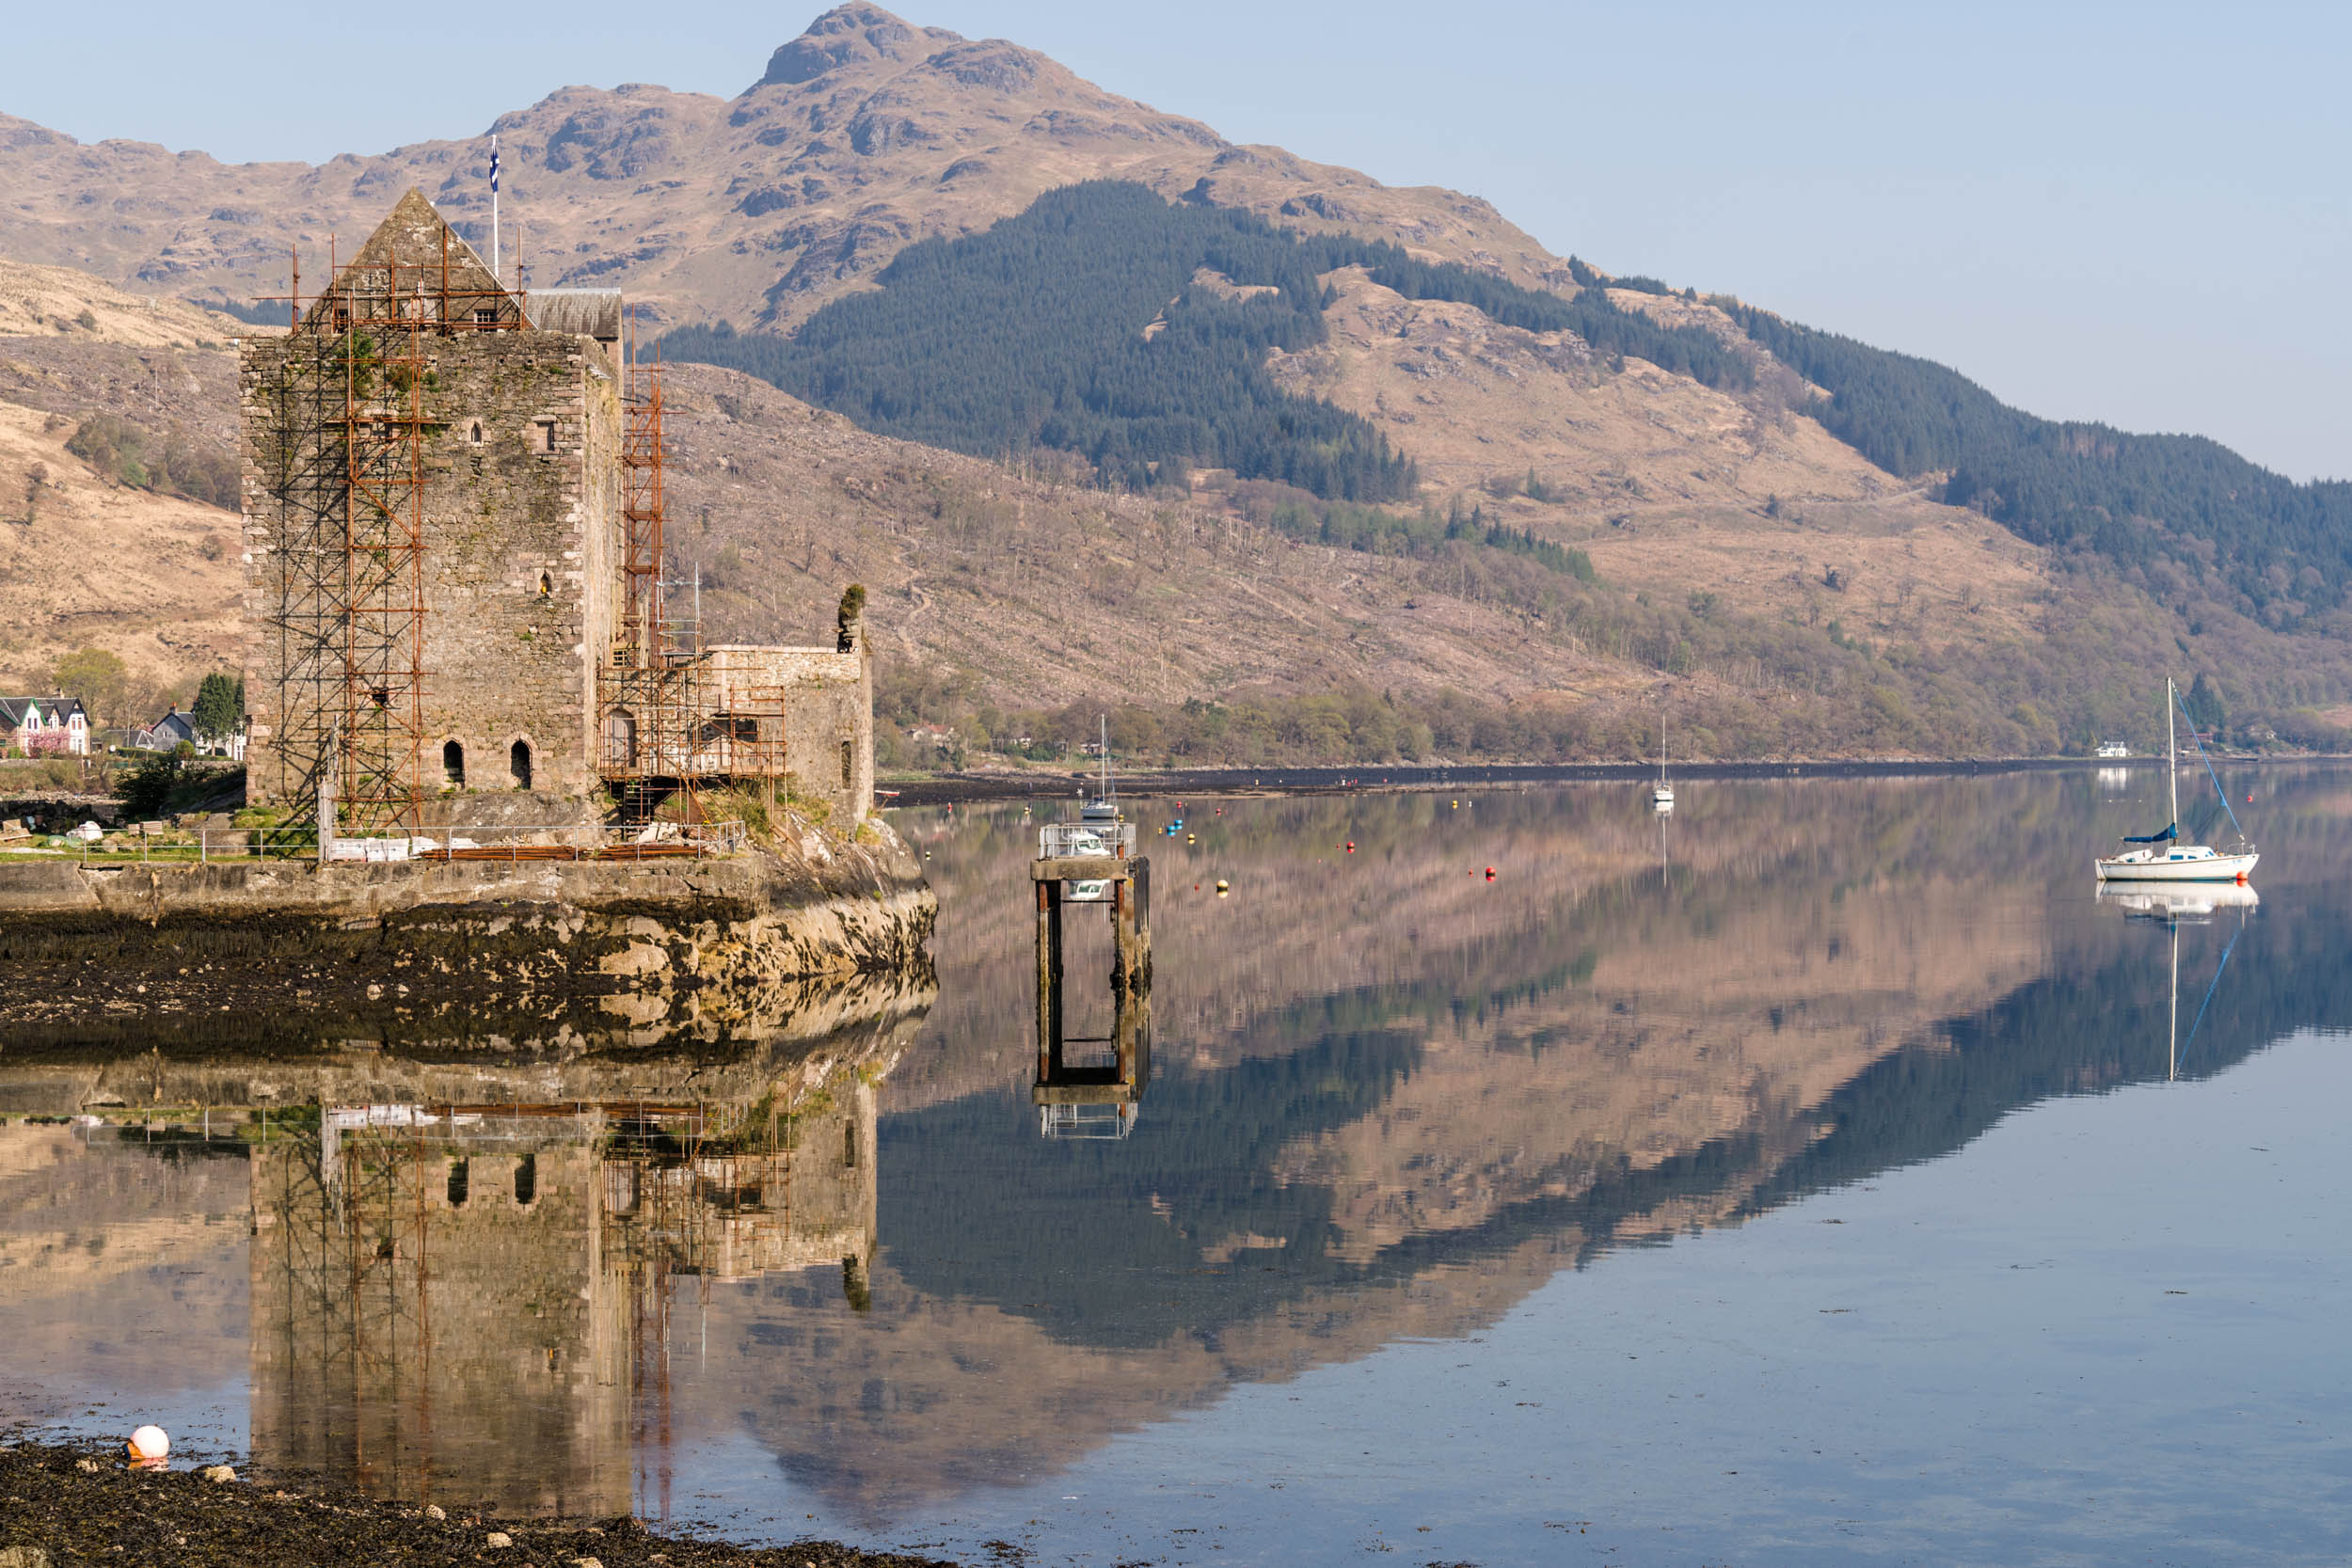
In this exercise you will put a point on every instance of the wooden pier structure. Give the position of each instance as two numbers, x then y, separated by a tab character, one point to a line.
1099	1099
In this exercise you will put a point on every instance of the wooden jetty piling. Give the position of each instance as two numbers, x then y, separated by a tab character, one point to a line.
1123	881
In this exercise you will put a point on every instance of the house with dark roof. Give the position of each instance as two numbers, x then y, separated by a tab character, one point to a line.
44	726
166	734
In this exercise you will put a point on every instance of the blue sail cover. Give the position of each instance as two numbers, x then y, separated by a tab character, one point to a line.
2172	831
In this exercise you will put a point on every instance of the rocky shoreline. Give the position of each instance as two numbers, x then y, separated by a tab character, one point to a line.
62	1504
266	953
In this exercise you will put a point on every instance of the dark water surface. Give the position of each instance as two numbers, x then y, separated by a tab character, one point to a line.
1822	1175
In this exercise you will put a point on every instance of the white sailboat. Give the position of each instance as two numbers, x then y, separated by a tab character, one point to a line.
1661	795
2161	857
1102	829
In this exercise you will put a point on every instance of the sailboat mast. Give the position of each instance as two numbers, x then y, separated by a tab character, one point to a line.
2172	755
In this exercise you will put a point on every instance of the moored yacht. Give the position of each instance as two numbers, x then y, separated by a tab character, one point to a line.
2161	857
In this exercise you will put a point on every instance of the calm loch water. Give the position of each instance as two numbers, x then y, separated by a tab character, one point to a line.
1824	1174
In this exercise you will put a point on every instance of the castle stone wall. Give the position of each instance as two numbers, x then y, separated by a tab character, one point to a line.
522	503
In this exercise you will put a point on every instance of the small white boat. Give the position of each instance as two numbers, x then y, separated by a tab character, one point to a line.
2161	857
1102	829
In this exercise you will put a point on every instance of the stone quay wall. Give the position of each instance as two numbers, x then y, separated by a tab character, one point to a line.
475	952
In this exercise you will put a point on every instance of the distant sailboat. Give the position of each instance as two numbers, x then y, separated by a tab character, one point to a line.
2162	857
1102	829
1661	795
1104	808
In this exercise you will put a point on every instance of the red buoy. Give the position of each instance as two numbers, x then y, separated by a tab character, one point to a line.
1351	846
1490	873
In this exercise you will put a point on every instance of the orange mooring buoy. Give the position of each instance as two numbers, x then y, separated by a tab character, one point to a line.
1351	846
1490	873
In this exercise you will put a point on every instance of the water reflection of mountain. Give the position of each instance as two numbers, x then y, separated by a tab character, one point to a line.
1829	983
1390	1100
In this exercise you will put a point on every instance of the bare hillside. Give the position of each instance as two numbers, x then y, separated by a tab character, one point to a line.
863	133
91	558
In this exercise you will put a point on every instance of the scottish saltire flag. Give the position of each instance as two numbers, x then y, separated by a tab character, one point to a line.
494	166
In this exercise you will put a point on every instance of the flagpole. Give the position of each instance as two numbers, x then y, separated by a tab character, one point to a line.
494	211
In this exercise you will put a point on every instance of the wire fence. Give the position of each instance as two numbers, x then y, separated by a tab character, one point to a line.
153	843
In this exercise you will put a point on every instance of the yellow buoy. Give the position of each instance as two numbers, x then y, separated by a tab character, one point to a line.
1221	889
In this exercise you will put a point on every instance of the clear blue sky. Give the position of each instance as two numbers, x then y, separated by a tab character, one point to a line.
2131	213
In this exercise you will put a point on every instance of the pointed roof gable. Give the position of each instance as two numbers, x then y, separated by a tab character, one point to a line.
414	255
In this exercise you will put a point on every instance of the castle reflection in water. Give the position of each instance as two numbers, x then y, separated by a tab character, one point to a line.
462	1271
436	1303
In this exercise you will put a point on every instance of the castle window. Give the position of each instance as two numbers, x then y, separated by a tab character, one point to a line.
484	315
848	1146
453	764
620	739
849	763
518	763
474	435
546	586
460	1182
527	1179
547	434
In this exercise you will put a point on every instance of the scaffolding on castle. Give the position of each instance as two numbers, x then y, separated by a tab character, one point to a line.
665	735
347	632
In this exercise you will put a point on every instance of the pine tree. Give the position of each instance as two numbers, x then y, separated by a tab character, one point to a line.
218	707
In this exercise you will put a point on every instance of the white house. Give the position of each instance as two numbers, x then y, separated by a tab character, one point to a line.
56	726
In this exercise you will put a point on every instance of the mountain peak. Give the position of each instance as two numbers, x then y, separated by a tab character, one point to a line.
852	34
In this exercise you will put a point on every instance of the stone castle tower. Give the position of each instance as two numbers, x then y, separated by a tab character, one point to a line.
453	508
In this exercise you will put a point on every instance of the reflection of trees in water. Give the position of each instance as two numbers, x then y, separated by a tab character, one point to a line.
1937	993
1033	1300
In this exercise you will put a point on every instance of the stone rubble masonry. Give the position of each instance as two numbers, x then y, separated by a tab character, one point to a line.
522	571
829	705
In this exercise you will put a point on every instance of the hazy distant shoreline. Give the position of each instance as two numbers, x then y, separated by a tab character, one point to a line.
960	788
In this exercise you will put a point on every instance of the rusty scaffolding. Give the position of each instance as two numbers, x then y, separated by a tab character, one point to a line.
652	701
353	411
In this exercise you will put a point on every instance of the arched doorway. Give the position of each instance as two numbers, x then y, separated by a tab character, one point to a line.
518	763
453	764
